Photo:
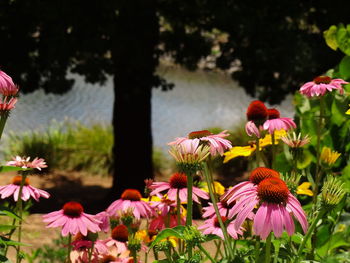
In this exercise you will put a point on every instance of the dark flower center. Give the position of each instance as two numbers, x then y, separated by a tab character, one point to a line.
131	194
273	114
199	134
107	259
120	233
273	190
322	80
261	173
257	111
178	181
18	179
73	209
216	221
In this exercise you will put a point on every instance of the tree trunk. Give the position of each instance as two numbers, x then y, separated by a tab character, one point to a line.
135	60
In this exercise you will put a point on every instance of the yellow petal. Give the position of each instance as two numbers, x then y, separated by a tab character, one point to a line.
238	151
303	189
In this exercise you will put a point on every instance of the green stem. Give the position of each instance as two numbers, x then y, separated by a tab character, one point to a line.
257	248
221	223
91	251
155	253
178	216
268	249
218	251
19	208
277	250
318	152
3	120
206	253
189	199
189	208
308	234
257	152
69	247
273	140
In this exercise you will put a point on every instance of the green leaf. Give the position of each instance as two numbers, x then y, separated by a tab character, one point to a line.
343	39
168	232
5	211
4	228
4	169
330	36
8	242
344	67
4	259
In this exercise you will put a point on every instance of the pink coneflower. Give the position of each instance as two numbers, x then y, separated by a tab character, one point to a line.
256	116
320	85
275	122
27	190
81	249
103	217
73	220
118	239
178	182
131	198
7	87
164	206
7	104
276	207
295	141
162	222
224	209
212	226
255	177
216	142
25	162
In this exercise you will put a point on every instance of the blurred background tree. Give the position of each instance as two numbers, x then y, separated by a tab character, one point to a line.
270	47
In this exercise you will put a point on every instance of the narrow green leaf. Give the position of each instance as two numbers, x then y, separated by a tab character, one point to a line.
4	169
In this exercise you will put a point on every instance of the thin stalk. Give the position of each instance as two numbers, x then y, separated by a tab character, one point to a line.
178	216
222	226
268	249
308	234
206	253
234	247
218	251
19	208
257	248
155	253
318	151
277	250
189	208
167	254
134	255
91	251
273	140
258	152
3	120
69	247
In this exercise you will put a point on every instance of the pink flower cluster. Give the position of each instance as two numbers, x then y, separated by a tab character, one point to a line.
321	85
261	118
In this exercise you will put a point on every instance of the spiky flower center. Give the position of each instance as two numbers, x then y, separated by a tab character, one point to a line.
178	181
273	190
132	195
322	80
257	111
261	173
199	134
273	114
73	209
108	258
216	221
18	179
120	233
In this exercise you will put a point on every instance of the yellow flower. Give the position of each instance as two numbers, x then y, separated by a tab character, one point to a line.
303	189
246	151
219	188
142	236
348	111
328	156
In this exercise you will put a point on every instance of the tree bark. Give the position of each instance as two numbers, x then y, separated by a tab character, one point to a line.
135	58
